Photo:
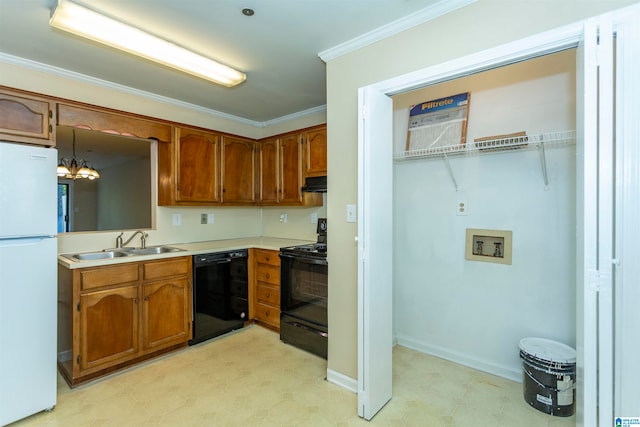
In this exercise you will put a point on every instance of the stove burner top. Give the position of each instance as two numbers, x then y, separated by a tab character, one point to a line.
316	249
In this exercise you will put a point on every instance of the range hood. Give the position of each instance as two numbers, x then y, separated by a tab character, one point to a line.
315	184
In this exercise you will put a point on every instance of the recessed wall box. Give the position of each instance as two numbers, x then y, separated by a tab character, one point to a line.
488	245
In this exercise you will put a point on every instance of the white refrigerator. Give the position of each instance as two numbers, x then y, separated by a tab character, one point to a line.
28	280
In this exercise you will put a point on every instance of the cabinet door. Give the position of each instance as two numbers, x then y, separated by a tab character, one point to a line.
108	327
315	152
238	171
290	170
24	118
197	166
269	171
165	314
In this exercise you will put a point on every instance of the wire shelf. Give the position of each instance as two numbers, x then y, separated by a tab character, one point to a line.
527	142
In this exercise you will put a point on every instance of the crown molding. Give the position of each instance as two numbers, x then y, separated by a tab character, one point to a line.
298	115
72	75
420	17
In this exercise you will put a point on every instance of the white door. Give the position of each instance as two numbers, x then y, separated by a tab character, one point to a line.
608	218
627	220
375	254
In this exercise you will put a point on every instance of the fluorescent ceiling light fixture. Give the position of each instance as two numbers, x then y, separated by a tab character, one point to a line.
87	23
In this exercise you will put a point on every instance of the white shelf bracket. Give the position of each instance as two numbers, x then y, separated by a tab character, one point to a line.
453	178
543	163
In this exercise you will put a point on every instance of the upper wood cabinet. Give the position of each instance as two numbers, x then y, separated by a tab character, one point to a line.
281	164
197	177
315	151
268	166
290	191
104	120
280	174
238	171
26	118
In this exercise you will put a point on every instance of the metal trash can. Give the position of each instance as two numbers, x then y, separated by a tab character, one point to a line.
549	374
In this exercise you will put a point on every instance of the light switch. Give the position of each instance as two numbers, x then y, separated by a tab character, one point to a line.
177	219
351	213
211	218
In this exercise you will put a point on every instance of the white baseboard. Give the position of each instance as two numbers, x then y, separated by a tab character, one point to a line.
462	359
342	380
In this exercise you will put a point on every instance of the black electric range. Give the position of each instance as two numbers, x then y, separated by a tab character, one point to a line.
303	294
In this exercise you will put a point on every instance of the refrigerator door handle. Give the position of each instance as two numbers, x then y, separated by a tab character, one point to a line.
22	241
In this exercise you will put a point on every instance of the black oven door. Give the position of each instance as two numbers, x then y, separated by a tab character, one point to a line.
303	287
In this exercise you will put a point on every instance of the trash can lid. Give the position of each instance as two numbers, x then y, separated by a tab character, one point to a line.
548	350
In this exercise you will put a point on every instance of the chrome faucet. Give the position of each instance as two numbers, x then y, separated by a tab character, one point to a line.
143	239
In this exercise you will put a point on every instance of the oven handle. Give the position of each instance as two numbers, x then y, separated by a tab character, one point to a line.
304	259
305	327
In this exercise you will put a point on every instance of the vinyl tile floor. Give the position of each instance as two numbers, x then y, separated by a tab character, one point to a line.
250	378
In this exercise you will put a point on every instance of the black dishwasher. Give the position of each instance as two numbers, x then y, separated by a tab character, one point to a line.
220	291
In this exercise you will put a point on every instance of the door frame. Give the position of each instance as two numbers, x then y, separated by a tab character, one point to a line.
566	37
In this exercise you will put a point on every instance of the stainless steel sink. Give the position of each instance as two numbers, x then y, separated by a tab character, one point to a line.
89	256
152	250
121	252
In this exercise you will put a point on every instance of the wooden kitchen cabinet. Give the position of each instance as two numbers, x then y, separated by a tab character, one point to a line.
315	151
290	191
121	314
268	167
110	121
266	287
197	166
108	327
26	118
166	315
280	171
238	171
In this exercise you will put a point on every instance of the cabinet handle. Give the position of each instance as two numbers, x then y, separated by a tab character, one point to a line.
267	294
136	300
267	275
268	258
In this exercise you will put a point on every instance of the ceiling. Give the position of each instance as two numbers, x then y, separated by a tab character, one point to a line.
277	47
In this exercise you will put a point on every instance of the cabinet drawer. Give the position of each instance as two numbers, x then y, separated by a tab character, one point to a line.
268	295
268	275
108	276
268	257
268	314
167	268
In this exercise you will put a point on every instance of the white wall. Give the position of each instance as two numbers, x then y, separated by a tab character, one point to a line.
472	29
124	209
298	225
476	312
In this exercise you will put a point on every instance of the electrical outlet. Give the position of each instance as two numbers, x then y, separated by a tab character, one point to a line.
283	217
462	207
314	218
203	218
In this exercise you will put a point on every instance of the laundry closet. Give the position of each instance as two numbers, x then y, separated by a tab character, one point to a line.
472	310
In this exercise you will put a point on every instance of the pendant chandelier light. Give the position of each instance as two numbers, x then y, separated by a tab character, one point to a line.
74	169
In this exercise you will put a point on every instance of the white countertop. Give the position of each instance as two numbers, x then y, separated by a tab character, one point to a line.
271	243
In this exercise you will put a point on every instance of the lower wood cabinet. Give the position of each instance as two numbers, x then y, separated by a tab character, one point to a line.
265	284
114	316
